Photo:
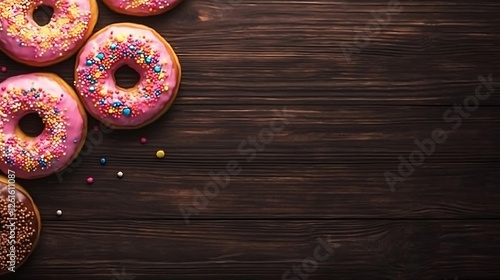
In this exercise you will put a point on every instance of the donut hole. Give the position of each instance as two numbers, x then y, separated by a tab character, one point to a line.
43	14
126	77
31	125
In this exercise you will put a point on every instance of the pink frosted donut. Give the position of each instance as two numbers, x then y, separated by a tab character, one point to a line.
62	114
142	49
25	41
141	7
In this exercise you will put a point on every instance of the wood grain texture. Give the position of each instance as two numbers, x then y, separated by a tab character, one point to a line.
266	249
321	176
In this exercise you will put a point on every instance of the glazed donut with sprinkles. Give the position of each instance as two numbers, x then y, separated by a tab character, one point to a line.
141	7
145	51
63	116
25	41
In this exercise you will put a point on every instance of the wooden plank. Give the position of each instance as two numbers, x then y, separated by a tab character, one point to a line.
328	162
266	249
269	52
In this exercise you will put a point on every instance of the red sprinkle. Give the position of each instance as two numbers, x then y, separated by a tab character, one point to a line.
90	180
144	140
4	69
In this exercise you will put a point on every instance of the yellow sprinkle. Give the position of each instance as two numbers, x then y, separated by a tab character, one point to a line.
45	31
120	38
160	154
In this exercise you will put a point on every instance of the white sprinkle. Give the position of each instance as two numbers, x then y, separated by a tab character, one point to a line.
119	174
59	213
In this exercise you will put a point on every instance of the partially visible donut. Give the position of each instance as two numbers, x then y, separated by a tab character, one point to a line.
142	49
141	7
64	118
25	41
21	225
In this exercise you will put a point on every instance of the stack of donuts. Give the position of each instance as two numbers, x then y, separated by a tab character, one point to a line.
63	108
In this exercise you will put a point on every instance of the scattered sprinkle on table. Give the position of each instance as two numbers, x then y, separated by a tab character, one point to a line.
119	174
90	180
160	154
4	69
144	140
103	161
59	212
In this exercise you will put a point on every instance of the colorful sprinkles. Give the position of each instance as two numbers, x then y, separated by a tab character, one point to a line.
66	29
151	6
100	65
52	142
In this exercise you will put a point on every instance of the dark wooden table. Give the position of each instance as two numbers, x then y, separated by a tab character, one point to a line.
348	87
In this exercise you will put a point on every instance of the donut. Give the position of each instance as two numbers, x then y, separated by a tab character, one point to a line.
20	218
22	39
141	8
142	49
63	116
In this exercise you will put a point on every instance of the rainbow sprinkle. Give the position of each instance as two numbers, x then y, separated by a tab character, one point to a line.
146	5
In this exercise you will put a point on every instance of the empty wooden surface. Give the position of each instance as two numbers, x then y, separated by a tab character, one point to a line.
322	176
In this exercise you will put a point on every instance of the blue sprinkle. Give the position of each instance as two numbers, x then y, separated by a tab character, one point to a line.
102	68
56	111
140	52
117	104
92	89
89	62
93	82
103	161
100	56
37	95
157	69
102	101
157	93
127	112
113	46
132	47
148	60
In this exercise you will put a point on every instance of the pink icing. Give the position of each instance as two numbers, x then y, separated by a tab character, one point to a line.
142	7
138	47
23	39
54	148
